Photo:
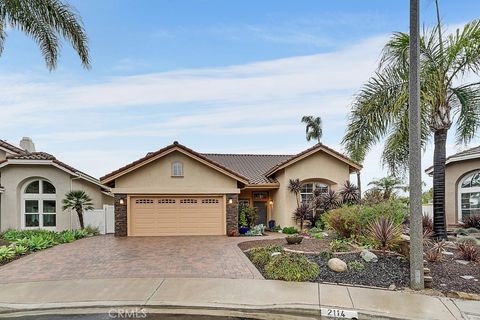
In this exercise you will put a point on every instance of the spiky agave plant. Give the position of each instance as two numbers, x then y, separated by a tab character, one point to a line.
385	232
350	193
300	214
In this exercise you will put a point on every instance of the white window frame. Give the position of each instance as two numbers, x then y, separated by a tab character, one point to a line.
314	186
461	190
174	172
40	197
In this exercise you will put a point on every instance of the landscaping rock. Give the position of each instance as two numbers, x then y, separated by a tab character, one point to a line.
276	254
447	253
467	277
337	265
368	256
405	237
392	287
462	262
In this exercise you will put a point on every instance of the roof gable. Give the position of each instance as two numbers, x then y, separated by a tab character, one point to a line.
306	153
152	156
10	148
472	153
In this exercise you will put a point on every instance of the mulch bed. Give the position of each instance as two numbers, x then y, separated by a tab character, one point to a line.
3	242
446	275
307	245
389	269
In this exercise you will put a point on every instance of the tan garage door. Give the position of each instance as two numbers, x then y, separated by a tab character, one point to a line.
170	216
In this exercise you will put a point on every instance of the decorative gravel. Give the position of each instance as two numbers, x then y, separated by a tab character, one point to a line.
307	245
389	269
446	275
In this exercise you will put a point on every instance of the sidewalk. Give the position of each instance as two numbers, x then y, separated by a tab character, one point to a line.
229	294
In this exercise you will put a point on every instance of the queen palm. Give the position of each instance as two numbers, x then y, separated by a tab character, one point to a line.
313	128
79	201
380	110
46	21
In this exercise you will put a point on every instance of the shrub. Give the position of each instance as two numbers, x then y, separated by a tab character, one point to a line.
471	230
385	233
292	267
301	213
327	255
468	251
262	256
340	245
472	221
436	252
92	231
469	240
20	250
314	230
289	230
427	222
349	221
6	253
318	235
461	231
80	233
356	265
248	216
37	243
66	236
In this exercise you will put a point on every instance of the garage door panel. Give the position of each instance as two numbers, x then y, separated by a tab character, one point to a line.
169	216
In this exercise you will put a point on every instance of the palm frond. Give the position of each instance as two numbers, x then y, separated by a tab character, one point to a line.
466	103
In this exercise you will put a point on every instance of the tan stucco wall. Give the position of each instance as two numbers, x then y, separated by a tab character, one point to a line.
319	166
454	173
155	177
14	177
3	155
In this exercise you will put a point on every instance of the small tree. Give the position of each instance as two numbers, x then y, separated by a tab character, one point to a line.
313	128
79	201
387	185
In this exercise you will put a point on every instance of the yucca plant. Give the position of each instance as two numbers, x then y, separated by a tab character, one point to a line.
436	252
468	251
472	221
427	223
385	232
330	200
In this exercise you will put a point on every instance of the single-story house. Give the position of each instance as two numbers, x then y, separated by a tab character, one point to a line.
179	191
462	185
33	185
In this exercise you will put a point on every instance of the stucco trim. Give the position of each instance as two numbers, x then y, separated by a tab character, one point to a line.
310	152
429	170
183	191
266	186
166	151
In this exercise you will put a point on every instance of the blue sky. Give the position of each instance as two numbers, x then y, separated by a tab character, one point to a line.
218	76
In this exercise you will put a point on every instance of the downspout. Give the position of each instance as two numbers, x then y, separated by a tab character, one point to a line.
71	189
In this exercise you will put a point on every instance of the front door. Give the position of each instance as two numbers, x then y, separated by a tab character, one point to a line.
261	207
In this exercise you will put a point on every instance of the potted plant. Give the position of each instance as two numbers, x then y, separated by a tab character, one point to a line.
294	239
242	220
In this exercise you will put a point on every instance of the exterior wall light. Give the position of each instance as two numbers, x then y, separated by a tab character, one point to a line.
122	202
230	201
271	202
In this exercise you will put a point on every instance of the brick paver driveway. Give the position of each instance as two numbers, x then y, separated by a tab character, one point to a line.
110	257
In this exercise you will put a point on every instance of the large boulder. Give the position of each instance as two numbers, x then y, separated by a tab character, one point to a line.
337	265
368	256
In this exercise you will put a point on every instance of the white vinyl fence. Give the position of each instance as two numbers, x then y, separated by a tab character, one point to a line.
427	209
103	219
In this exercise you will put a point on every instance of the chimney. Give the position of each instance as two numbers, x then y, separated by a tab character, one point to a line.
27	144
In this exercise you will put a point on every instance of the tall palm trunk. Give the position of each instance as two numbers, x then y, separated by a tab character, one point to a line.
439	158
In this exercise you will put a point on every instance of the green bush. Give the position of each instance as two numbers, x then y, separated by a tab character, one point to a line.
467	240
340	245
6	253
314	230
66	236
289	230
262	256
20	250
356	265
92	231
80	233
349	221
318	235
472	230
292	267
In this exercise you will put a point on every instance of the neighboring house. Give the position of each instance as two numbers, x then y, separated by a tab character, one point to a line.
462	185
33	184
178	191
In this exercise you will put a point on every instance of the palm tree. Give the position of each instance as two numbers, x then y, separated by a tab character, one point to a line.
295	186
45	21
387	185
380	110
313	127
79	201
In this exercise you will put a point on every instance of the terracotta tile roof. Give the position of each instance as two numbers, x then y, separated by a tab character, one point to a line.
173	145
253	166
4	144
46	156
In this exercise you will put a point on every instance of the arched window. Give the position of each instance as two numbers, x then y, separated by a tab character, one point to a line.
308	189
39	205
177	169
469	195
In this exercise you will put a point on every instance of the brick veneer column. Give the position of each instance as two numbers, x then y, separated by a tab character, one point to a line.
232	213
120	215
